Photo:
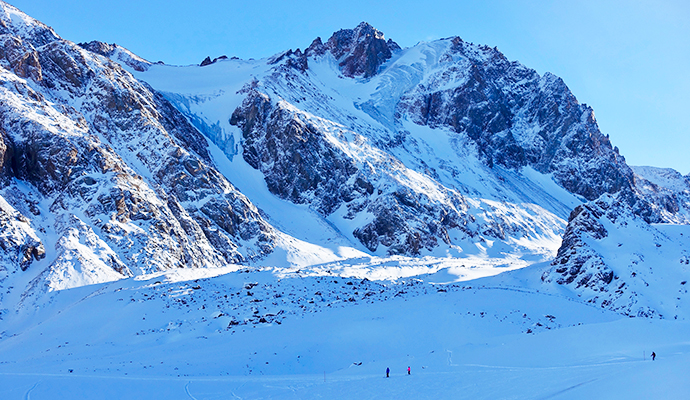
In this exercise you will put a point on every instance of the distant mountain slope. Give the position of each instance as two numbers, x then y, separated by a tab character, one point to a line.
668	194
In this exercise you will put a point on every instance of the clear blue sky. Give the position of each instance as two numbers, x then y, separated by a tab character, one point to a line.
628	59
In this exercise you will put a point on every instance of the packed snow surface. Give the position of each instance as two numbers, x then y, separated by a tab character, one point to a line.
239	333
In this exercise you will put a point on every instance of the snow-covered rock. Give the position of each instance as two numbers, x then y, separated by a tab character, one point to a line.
517	118
19	242
117	53
359	51
667	194
122	183
614	259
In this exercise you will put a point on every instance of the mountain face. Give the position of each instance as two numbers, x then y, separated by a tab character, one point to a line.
102	178
517	118
112	166
304	164
502	113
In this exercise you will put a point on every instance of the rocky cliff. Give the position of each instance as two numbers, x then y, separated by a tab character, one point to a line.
102	177
517	118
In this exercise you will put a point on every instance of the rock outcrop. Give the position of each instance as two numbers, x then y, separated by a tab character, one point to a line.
359	52
306	164
117	53
612	258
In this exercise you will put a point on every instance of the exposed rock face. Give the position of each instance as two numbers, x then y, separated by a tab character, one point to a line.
665	193
117	53
576	263
208	61
305	164
517	118
124	181
19	244
298	163
612	258
292	59
359	51
406	223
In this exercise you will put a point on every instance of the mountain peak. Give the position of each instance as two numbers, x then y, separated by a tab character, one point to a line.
364	29
361	51
14	22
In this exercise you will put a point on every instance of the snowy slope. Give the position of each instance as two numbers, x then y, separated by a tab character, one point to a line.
257	334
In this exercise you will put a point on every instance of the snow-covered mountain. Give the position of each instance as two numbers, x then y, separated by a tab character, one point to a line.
352	182
115	166
341	143
102	178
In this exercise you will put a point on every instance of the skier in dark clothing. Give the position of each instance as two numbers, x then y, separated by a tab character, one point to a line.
388	371
653	356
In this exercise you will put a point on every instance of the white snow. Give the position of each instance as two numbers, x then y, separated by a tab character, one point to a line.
665	177
162	337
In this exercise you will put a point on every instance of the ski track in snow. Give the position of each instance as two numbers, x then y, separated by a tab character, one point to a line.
186	389
27	396
567	389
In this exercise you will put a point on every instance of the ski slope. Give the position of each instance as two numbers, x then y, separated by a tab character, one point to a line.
169	336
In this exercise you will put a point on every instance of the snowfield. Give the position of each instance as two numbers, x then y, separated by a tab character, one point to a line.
261	334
